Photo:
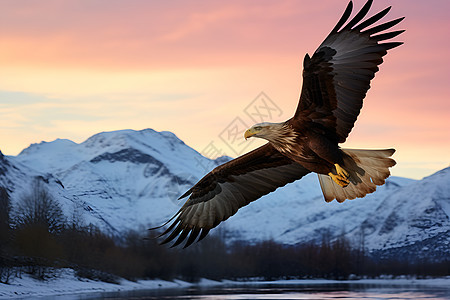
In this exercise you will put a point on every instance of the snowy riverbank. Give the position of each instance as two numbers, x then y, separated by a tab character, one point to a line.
66	283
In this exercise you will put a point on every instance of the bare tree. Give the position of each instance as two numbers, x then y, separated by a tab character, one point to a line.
39	208
5	234
5	207
76	219
38	220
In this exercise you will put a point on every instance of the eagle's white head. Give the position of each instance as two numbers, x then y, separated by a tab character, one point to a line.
263	130
277	133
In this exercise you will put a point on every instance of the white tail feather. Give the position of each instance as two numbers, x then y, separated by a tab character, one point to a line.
367	169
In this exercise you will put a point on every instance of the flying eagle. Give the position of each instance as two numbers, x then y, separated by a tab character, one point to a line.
336	79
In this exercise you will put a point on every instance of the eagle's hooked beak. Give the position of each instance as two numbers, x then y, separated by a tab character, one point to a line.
249	133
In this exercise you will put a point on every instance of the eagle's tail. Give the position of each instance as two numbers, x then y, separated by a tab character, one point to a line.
366	168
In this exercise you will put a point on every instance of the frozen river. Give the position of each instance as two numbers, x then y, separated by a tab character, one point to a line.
279	291
67	286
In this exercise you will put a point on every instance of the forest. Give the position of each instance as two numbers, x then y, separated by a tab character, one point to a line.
37	238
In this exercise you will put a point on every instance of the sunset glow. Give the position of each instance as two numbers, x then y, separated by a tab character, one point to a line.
70	69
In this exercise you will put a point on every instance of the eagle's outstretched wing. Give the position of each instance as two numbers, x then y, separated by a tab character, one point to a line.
224	190
337	77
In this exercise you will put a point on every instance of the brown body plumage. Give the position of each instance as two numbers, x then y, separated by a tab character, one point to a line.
336	79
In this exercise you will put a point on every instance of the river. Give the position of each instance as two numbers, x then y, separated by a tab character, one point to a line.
325	291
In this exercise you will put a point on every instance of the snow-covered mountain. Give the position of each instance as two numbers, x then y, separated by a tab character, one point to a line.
127	179
123	179
18	179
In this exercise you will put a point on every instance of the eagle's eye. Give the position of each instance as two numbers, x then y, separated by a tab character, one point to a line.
258	128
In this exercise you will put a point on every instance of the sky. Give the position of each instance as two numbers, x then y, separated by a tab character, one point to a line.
206	70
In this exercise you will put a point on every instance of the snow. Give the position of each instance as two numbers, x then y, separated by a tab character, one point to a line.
68	284
116	192
126	180
119	193
411	213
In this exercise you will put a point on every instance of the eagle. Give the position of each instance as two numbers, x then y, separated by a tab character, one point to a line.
336	79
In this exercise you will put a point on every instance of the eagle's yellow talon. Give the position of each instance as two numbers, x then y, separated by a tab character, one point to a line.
341	172
342	181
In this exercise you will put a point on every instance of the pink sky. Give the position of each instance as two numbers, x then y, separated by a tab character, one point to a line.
71	69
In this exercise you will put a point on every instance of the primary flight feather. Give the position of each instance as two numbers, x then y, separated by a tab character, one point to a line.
336	79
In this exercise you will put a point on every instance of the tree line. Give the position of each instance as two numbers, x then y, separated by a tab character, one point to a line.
36	237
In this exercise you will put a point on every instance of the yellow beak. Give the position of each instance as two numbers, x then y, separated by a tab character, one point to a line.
249	133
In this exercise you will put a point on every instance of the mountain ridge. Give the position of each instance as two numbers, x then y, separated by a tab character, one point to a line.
126	179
